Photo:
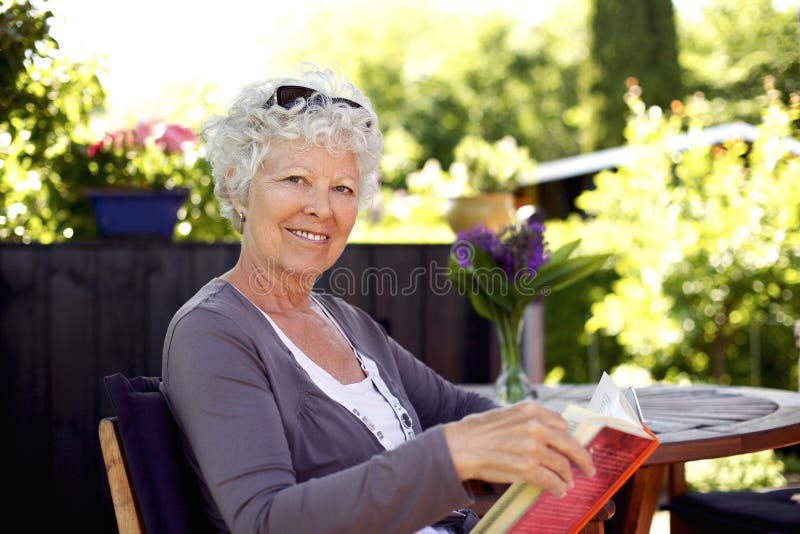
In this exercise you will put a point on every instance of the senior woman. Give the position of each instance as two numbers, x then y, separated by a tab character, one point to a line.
299	413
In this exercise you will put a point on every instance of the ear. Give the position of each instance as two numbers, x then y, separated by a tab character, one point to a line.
229	190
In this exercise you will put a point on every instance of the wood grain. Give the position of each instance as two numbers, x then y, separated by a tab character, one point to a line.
702	421
128	521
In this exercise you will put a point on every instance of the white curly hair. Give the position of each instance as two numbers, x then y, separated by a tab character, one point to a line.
239	142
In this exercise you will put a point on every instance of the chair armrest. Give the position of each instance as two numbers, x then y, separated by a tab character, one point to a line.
128	520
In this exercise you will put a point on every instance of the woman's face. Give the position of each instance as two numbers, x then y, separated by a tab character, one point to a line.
301	209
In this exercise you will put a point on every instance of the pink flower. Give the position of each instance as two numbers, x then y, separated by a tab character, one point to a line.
92	150
168	137
142	132
176	138
120	139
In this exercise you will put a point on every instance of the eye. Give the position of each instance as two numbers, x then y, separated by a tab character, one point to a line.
343	189
295	179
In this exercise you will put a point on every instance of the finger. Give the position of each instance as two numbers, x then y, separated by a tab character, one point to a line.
548	427
558	464
570	447
549	481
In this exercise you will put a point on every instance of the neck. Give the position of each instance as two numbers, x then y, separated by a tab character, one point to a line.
269	289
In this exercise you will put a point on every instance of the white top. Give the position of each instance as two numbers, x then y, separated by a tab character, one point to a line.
360	398
366	399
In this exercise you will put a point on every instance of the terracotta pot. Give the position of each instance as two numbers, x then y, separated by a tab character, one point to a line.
494	210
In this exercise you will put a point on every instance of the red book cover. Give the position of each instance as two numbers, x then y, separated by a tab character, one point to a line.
616	456
611	429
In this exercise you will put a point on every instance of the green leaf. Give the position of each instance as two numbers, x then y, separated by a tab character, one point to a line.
458	275
564	252
559	276
483	306
485	278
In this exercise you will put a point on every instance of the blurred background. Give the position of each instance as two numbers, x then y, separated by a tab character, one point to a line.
661	131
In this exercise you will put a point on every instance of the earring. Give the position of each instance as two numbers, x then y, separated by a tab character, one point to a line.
242	218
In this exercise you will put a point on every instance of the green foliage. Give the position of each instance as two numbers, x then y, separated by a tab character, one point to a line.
46	101
707	242
151	155
730	50
629	39
199	218
399	216
416	215
501	273
460	75
734	473
21	29
45	162
581	356
492	167
157	155
479	267
790	458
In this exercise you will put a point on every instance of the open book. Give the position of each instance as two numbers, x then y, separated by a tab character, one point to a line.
614	434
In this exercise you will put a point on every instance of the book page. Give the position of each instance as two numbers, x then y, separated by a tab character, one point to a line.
575	415
633	400
609	400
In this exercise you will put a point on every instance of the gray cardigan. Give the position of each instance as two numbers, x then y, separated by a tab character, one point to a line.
275	454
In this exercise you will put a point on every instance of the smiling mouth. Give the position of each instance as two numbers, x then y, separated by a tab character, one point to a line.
311	236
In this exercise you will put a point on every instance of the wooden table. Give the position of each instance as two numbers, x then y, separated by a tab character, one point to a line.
692	423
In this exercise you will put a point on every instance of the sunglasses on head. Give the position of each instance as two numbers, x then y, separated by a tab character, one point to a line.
287	96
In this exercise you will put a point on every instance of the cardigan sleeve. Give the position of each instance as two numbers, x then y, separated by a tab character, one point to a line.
220	393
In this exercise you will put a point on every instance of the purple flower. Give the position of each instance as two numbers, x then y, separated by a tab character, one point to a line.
477	236
525	246
515	249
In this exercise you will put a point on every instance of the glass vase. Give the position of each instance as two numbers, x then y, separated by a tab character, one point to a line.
512	384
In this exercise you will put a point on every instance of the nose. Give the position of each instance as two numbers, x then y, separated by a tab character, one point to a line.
318	203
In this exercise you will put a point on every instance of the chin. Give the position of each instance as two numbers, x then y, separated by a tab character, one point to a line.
305	267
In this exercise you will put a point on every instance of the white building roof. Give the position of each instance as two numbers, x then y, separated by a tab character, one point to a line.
560	169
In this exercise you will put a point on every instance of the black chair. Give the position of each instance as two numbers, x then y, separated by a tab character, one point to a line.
153	487
737	512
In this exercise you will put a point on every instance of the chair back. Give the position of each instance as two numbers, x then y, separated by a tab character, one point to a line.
163	487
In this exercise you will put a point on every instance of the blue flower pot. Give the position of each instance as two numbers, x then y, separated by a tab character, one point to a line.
136	212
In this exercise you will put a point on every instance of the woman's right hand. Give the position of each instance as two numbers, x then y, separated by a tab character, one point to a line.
521	443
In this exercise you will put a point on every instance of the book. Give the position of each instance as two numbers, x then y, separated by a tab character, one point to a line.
614	432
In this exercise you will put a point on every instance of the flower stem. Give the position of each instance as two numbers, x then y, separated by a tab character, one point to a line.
512	385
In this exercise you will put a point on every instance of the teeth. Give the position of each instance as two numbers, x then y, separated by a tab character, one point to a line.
309	235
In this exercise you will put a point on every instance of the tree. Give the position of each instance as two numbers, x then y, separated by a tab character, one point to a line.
45	105
707	244
460	75
45	102
729	50
631	42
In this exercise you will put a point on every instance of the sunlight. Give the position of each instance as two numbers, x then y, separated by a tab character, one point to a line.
156	45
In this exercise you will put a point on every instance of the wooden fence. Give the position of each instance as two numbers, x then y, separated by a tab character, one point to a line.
73	313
